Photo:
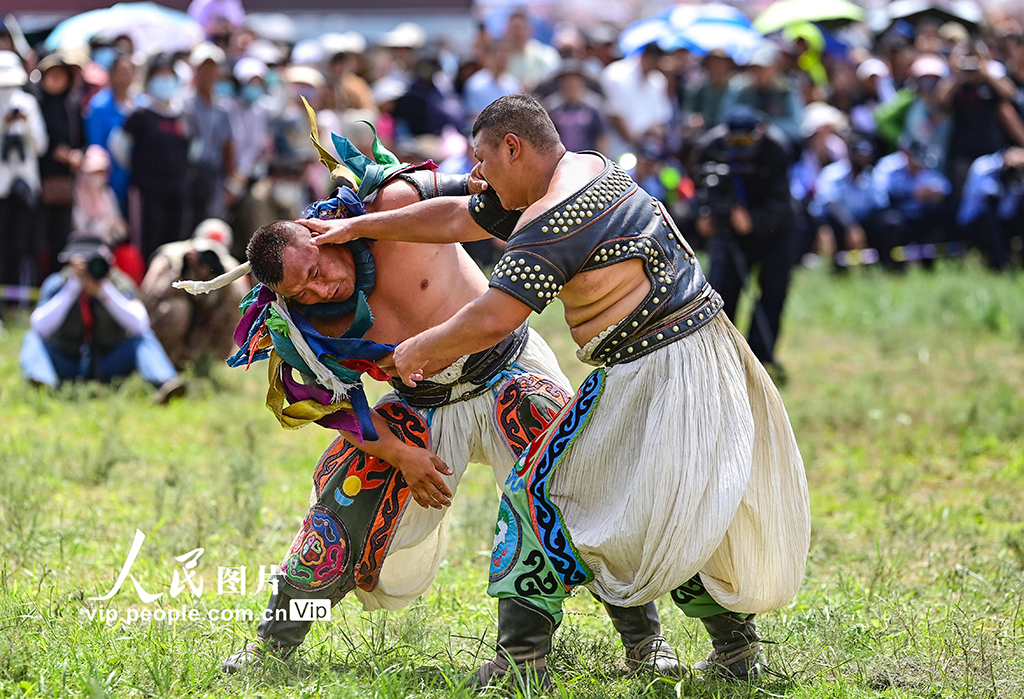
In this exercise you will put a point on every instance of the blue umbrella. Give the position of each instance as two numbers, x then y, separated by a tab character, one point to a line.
152	28
651	30
685	16
735	39
698	28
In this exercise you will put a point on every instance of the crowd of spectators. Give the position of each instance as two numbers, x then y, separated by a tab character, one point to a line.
897	146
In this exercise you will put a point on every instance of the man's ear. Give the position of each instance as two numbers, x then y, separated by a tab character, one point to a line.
514	146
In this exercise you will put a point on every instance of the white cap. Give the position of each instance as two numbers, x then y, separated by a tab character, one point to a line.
307	75
307	52
872	66
248	68
12	72
215	230
265	51
334	43
818	115
929	64
407	35
207	51
272	26
387	89
764	55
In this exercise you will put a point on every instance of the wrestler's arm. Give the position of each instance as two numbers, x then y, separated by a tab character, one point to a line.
422	468
440	220
477	326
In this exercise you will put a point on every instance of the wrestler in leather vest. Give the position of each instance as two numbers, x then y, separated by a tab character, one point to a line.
608	221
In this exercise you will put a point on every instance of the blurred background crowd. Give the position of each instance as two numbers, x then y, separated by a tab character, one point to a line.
140	145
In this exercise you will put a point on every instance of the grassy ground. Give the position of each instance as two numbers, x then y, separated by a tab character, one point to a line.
907	397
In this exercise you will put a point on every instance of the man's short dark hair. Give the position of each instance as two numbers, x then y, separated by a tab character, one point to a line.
265	248
518	114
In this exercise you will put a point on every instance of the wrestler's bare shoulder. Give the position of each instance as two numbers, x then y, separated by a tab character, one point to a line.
573	172
394	195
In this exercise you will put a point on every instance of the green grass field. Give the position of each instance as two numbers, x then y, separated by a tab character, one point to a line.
907	397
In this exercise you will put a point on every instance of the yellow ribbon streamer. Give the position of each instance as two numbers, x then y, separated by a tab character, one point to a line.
299	414
337	170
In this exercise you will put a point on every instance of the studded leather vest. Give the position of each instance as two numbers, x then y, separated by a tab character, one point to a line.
608	221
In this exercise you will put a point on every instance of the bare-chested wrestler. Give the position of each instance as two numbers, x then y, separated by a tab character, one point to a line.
674	469
363	533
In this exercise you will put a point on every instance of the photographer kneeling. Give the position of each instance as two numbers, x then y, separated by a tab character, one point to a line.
745	210
89	326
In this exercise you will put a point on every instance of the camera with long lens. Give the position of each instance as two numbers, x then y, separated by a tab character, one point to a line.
94	251
716	190
716	185
97	267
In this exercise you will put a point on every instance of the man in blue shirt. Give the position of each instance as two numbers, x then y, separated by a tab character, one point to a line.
990	210
107	111
846	206
918	193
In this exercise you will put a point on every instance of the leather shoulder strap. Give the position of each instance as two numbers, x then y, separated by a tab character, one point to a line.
485	208
430	183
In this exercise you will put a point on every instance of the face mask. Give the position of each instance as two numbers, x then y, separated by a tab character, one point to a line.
224	89
163	87
251	93
105	56
273	78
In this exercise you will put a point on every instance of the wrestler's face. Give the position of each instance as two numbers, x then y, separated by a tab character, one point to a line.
316	274
497	167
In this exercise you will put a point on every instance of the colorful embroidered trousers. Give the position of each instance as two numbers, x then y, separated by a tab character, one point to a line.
364	533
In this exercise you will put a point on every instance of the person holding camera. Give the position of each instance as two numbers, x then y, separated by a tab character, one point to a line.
190	326
23	139
920	197
991	212
88	325
980	97
745	212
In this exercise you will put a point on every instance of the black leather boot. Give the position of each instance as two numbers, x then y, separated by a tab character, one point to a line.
277	636
737	655
647	650
524	640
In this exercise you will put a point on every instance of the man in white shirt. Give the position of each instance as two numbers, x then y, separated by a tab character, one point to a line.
532	61
23	139
637	99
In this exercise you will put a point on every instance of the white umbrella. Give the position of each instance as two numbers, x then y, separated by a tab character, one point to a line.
152	28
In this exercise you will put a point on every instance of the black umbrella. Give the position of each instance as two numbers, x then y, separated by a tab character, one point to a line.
914	11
